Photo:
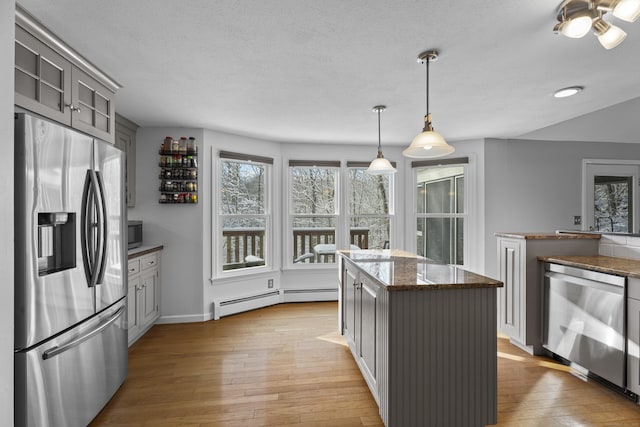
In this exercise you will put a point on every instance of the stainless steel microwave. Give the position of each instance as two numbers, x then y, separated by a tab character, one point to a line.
134	234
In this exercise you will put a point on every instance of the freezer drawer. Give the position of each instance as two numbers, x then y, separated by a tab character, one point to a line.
66	381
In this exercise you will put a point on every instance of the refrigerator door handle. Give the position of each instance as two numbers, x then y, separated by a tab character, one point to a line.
101	205
86	228
54	351
94	239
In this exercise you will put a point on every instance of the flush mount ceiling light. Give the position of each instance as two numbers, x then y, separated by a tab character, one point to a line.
429	143
567	91
577	17
380	165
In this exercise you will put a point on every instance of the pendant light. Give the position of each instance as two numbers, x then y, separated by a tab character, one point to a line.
380	165
429	143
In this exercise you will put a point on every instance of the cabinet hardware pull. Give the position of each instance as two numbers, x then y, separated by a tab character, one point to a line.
73	108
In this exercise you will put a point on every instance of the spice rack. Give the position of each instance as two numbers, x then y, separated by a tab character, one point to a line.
179	171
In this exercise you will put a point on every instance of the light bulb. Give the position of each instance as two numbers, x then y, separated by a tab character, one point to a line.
577	27
627	10
609	35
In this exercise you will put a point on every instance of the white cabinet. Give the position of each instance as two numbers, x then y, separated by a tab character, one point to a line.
520	300
360	325
633	335
144	294
511	275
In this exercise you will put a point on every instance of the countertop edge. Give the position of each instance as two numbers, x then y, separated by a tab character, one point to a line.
614	265
549	236
143	250
477	282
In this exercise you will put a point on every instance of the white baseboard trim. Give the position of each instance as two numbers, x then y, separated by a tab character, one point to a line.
239	304
307	295
183	319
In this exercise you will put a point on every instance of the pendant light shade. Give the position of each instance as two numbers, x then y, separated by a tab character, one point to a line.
429	143
380	165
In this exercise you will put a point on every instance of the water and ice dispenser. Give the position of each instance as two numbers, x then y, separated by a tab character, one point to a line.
56	242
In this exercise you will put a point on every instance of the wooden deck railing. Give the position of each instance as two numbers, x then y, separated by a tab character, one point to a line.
242	242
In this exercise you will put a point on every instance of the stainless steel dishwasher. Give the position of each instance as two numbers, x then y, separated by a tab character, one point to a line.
584	319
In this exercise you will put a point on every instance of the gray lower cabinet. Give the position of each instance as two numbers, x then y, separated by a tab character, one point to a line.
50	81
633	335
126	141
428	356
143	299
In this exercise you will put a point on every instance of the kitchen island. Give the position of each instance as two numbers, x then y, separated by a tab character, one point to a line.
423	335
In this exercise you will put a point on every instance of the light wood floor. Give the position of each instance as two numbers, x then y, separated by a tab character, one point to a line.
287	365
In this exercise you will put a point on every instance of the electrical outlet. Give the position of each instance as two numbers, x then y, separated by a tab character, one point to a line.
270	283
577	220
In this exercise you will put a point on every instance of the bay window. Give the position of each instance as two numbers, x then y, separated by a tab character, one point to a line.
244	211
313	210
370	208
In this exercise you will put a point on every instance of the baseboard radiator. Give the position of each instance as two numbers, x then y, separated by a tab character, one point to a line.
303	295
245	303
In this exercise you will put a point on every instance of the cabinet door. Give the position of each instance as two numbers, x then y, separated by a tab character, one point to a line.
368	337
149	297
133	306
633	344
125	142
512	275
93	106
42	78
350	290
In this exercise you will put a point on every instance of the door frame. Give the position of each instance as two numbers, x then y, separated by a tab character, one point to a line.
587	196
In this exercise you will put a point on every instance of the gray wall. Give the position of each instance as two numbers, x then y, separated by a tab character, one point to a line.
6	213
536	185
177	227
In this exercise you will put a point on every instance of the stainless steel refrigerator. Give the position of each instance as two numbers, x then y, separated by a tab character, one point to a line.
70	274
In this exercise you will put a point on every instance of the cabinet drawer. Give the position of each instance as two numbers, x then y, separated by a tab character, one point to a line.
134	267
148	261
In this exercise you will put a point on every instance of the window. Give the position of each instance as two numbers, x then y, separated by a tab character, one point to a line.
440	209
244	210
370	208
314	210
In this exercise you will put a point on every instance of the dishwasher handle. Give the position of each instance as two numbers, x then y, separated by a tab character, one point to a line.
587	283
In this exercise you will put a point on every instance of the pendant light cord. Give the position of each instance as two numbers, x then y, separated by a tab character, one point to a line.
379	144
427	79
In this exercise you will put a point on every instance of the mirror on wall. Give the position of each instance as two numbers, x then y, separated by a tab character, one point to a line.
610	196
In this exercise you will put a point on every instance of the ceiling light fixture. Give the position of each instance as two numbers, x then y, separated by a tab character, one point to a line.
429	143
567	91
577	17
380	165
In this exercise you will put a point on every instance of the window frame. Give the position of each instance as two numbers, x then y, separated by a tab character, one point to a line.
391	215
466	216
267	244
291	216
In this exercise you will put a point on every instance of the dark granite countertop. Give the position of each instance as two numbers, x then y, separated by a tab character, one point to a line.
550	235
143	250
398	270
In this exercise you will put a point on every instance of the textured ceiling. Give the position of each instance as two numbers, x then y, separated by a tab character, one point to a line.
310	71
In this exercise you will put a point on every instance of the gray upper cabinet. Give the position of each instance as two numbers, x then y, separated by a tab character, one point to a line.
54	81
92	107
126	141
42	78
